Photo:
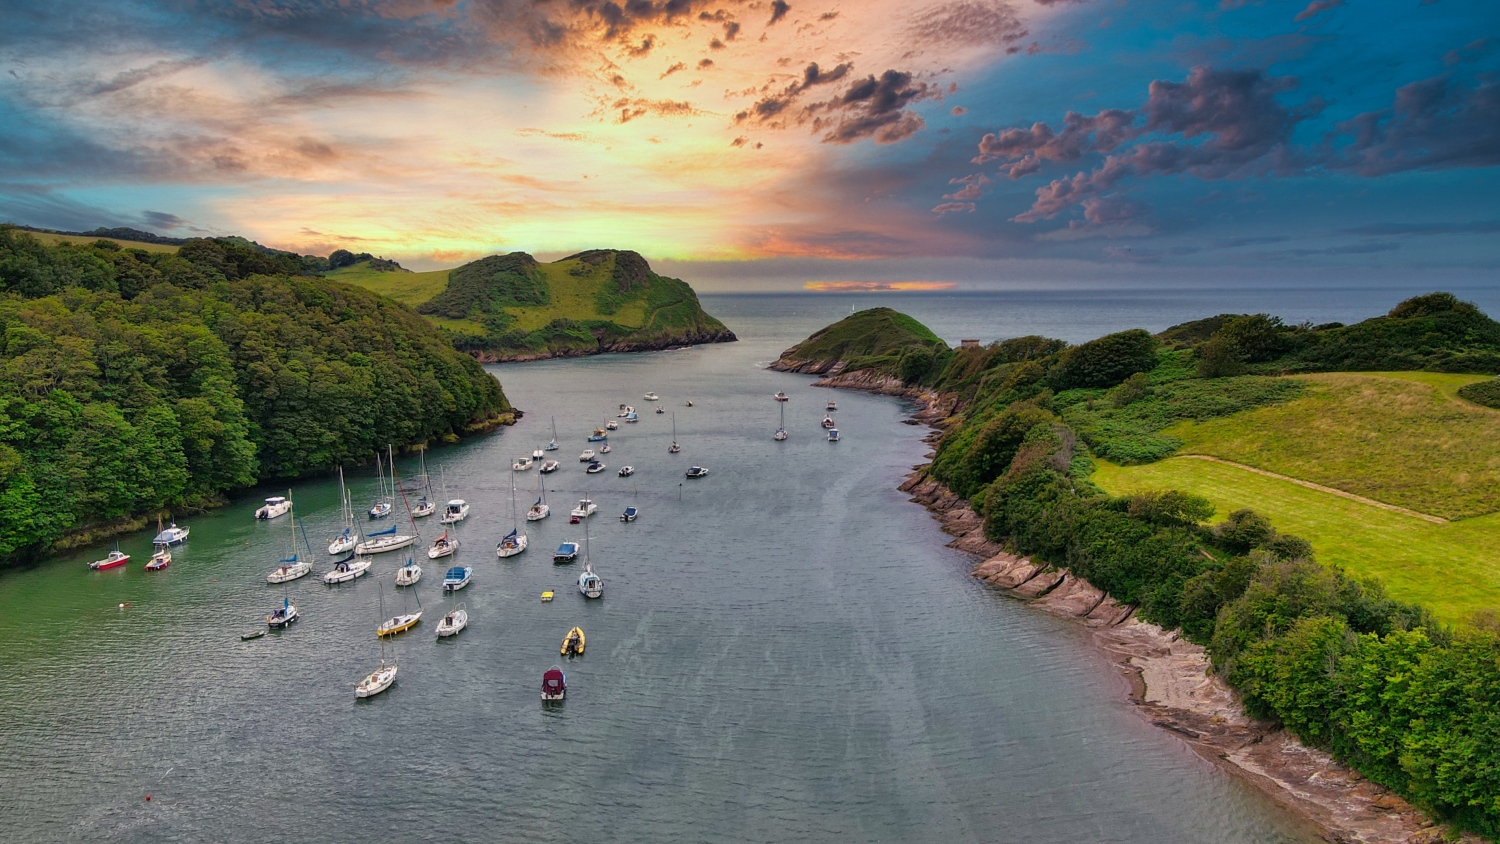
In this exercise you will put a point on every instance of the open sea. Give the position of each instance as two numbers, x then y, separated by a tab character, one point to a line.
785	651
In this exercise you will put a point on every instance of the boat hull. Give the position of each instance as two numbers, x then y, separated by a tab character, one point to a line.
107	564
452	624
399	624
286	574
408	575
348	574
278	621
384	544
376	682
536	514
503	550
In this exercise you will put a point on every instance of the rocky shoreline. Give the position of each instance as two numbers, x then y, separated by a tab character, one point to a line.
664	344
1169	677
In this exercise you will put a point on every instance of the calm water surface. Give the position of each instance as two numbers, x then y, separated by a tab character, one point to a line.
785	652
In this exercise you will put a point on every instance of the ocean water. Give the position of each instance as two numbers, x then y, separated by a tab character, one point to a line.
786	651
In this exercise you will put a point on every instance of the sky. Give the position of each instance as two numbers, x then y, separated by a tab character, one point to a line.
749	145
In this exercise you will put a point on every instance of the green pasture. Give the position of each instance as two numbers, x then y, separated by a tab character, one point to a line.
54	239
409	289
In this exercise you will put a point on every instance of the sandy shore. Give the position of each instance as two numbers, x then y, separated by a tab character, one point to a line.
1169	677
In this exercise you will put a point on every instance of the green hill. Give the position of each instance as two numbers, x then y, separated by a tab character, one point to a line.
512	307
876	338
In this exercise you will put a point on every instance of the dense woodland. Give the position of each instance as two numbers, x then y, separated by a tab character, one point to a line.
1413	705
132	382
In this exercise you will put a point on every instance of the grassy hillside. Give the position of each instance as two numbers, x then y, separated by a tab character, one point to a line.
1448	568
83	240
874	338
1402	438
408	288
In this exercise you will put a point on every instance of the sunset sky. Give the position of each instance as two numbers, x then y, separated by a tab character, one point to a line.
764	145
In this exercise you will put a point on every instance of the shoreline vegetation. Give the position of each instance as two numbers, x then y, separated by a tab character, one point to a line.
1349	706
134	383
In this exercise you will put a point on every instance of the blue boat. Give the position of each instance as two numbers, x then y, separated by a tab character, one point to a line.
457	578
833	435
598	438
629	514
566	553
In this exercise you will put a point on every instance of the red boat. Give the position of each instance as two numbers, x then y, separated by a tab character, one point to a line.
115	559
160	560
554	684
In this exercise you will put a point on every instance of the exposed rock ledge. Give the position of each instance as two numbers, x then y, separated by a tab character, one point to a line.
1169	676
653	345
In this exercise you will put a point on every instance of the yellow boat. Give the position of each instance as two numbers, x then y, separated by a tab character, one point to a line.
573	643
547	596
399	624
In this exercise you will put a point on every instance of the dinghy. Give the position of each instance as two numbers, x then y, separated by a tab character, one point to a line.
573	643
627	471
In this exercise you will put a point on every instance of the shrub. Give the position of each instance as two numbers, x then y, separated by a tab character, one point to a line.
1106	361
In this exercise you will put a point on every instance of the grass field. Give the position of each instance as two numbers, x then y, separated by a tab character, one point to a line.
410	289
573	297
1404	438
1452	569
53	239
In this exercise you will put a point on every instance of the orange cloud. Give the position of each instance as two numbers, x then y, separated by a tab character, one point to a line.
877	286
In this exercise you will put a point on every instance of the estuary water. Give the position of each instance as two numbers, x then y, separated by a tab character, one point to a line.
785	651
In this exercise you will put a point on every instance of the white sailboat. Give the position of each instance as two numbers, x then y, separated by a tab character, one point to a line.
552	446
781	433
294	565
515	541
590	584
347	569
453	622
674	447
540	510
345	541
425	505
443	546
381	678
384	503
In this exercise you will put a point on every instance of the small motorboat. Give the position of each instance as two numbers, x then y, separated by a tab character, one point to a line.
549	467
831	406
456	511
587	455
696	472
425	507
674	448
540	510
160	559
290	569
565	553
780	435
521	464
611	425
591	585
347	569
282	615
274	506
408	574
632	417
585	508
443	546
513	544
399	624
554	684
113	559
573	643
457	578
833	435
621	414
547	597
538	454
652	397
173	535
381	509
595	468
605	449
780	396
253	634
689	402
630	513
376	681
453	623
599	435
573	520
660	409
828	422
627	471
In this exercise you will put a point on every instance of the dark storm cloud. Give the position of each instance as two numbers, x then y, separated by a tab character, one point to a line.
1433	124
873	108
779	8
813	75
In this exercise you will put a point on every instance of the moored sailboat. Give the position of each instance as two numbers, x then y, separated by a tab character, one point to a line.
515	541
453	622
541	509
346	540
381	678
294	565
347	569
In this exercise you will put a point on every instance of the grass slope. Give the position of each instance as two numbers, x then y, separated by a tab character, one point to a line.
575	294
1402	438
409	289
865	339
1448	568
80	240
